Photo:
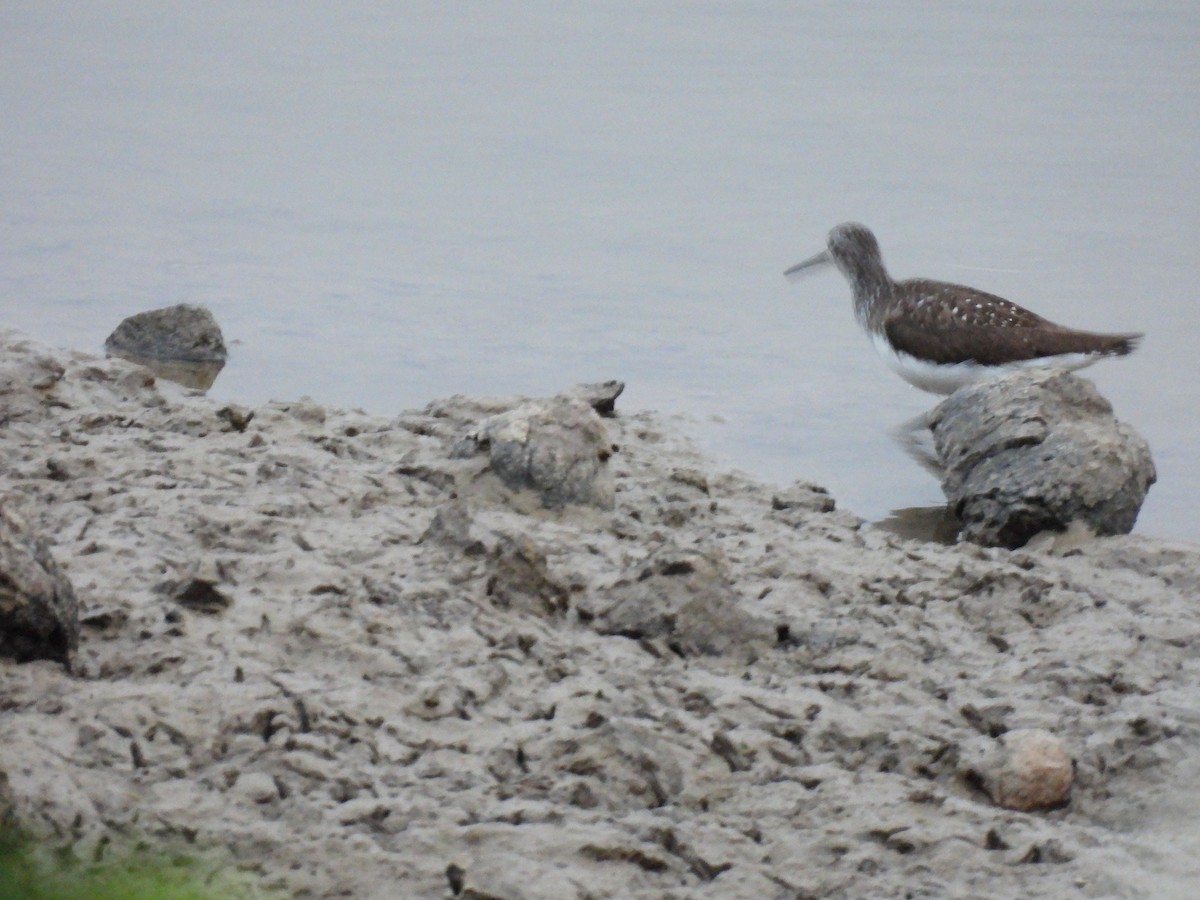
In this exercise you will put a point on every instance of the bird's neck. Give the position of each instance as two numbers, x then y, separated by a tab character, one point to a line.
872	288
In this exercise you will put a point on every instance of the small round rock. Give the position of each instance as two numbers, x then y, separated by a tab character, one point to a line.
1026	769
257	786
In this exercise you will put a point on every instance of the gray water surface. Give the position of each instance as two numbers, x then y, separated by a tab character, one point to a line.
383	204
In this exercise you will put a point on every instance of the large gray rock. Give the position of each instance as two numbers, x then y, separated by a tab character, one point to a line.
182	343
557	448
1037	451
183	333
39	615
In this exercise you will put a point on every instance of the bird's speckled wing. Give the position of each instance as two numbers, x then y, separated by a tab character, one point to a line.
939	303
950	323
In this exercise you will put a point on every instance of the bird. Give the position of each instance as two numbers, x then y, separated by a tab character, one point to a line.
939	336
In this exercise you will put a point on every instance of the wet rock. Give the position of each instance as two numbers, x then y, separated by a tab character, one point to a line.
1026	769
182	333
683	598
182	343
557	448
39	615
1036	451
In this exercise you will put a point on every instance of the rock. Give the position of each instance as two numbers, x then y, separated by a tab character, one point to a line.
520	580
39	615
454	525
258	787
684	598
45	372
455	875
803	495
198	594
1036	451
27	378
600	396
1026	769
181	343
558	448
182	333
1050	851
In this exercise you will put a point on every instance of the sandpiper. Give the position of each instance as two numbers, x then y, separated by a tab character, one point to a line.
940	336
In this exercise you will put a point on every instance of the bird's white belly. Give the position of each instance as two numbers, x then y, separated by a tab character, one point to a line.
946	379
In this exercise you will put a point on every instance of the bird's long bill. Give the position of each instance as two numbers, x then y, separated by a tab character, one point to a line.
797	270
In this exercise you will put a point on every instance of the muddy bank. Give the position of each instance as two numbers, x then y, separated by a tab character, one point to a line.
342	650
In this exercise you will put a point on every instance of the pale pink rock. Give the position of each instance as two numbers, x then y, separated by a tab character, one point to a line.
1025	769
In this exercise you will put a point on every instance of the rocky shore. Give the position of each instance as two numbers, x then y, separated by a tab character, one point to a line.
469	651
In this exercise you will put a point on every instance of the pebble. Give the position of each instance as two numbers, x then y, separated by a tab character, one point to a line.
1025	769
257	786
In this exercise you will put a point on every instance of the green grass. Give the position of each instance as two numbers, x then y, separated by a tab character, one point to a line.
26	874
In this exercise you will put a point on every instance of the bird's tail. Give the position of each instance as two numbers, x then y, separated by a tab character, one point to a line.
1122	344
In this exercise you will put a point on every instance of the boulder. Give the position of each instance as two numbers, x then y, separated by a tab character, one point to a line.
182	343
1037	451
557	448
39	615
183	333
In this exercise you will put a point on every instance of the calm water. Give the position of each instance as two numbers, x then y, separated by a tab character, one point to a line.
386	207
